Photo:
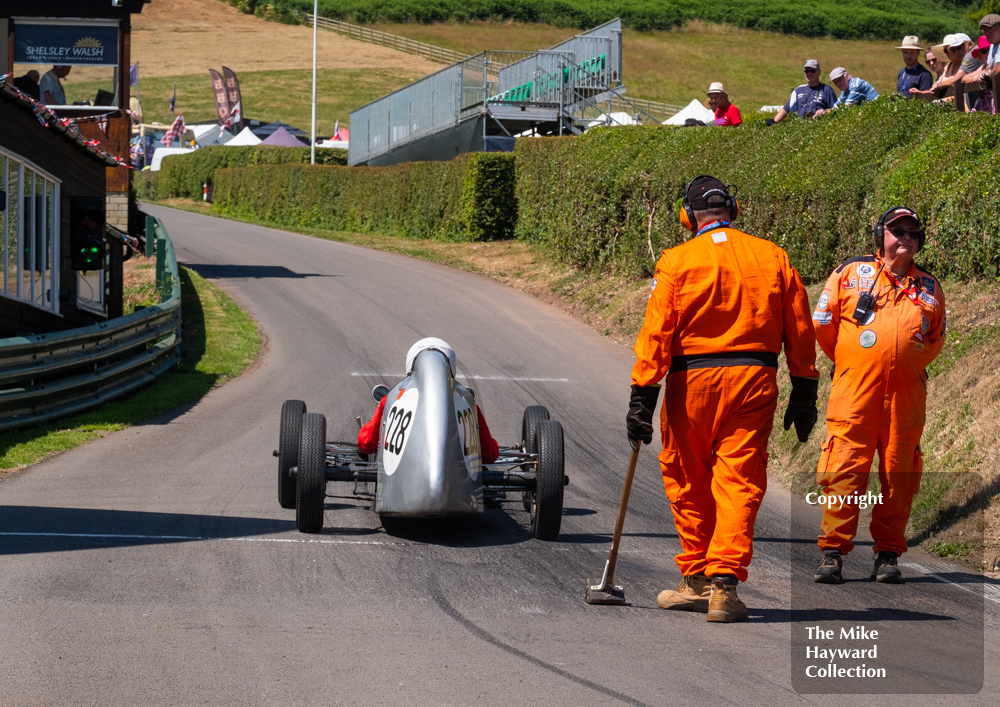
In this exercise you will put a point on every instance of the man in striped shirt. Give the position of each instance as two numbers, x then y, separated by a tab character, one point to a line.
853	91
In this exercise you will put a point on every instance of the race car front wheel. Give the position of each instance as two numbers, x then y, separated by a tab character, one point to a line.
547	498
533	414
288	449
310	482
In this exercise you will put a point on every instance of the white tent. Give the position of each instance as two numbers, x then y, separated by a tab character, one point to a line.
612	119
162	152
695	110
246	137
205	135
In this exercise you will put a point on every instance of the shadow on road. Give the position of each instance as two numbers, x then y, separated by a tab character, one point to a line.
252	272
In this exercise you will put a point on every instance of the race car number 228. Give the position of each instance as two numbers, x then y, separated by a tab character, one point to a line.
397	426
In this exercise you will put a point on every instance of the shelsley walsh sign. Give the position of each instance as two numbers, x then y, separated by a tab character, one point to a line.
71	44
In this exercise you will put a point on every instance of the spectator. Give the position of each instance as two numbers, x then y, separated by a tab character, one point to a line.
51	86
28	84
953	48
934	64
725	112
853	91
984	73
912	75
811	99
990	25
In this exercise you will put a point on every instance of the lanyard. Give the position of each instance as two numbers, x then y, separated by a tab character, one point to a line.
712	226
911	291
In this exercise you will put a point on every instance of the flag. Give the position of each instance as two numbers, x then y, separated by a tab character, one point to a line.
233	98
336	129
133	74
173	99
232	119
175	131
221	100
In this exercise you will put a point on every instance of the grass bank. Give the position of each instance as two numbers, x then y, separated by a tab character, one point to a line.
958	515
218	341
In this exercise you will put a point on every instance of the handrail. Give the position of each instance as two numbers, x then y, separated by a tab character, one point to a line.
446	56
49	376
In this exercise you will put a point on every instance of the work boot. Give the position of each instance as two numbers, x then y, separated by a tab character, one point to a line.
830	568
691	595
886	569
724	606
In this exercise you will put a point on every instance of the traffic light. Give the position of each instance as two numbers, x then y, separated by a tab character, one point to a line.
86	236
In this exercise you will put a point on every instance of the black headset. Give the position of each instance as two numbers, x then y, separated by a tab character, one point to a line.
687	216
880	228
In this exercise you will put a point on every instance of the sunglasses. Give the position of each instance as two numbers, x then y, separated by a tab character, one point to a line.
811	71
906	233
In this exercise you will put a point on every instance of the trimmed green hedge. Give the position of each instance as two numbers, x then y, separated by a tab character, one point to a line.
815	187
469	198
184	174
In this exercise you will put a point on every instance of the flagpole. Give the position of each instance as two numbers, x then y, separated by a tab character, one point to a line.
312	142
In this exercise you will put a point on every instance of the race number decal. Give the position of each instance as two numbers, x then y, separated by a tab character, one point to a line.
468	434
396	428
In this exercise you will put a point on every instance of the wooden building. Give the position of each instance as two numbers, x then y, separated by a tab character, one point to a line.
51	178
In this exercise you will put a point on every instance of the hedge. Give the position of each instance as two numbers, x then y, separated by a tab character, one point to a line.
469	198
844	19
184	174
814	187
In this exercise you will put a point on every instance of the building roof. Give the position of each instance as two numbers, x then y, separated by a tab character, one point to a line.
65	130
87	9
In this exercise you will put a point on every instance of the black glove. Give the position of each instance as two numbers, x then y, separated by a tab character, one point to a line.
769	121
639	421
802	406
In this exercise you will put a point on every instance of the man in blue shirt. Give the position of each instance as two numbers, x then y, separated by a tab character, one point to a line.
812	98
913	75
853	91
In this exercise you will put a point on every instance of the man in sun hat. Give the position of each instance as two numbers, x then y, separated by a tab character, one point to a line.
813	98
853	91
913	74
725	112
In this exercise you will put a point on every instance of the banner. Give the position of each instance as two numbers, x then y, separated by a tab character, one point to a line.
68	44
221	97
233	94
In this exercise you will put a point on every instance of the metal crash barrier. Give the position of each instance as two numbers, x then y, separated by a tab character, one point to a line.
50	376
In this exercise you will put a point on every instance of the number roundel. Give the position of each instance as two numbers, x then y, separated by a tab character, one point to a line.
396	426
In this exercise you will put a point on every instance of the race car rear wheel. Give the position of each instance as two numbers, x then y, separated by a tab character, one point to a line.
547	498
288	449
310	482
533	414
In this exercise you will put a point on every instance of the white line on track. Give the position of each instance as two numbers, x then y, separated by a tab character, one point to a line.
399	376
192	538
940	572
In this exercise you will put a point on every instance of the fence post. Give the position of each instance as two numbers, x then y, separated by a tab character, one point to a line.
161	262
959	96
996	94
150	235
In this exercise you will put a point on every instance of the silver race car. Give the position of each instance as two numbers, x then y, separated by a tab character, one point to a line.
428	462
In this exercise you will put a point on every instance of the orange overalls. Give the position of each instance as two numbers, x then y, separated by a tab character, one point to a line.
879	394
722	305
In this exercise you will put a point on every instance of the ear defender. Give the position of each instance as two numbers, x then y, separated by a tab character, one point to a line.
687	216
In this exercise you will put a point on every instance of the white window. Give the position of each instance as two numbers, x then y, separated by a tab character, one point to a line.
29	199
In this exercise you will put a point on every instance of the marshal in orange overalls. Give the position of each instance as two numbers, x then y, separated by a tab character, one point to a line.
879	394
722	306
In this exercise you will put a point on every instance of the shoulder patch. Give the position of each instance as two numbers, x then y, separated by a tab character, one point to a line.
859	259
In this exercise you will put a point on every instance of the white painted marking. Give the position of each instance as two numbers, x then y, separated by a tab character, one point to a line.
936	570
399	376
319	541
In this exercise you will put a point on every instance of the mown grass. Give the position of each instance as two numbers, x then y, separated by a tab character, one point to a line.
267	95
219	342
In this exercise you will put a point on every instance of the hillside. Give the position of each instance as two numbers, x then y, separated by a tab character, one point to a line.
844	19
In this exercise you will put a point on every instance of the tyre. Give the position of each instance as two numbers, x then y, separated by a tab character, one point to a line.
310	482
533	414
547	498
288	449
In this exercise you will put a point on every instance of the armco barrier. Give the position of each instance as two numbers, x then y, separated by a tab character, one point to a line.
49	376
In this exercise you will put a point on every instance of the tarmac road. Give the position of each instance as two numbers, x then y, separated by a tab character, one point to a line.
155	567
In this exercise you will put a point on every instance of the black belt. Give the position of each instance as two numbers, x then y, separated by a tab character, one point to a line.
724	360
